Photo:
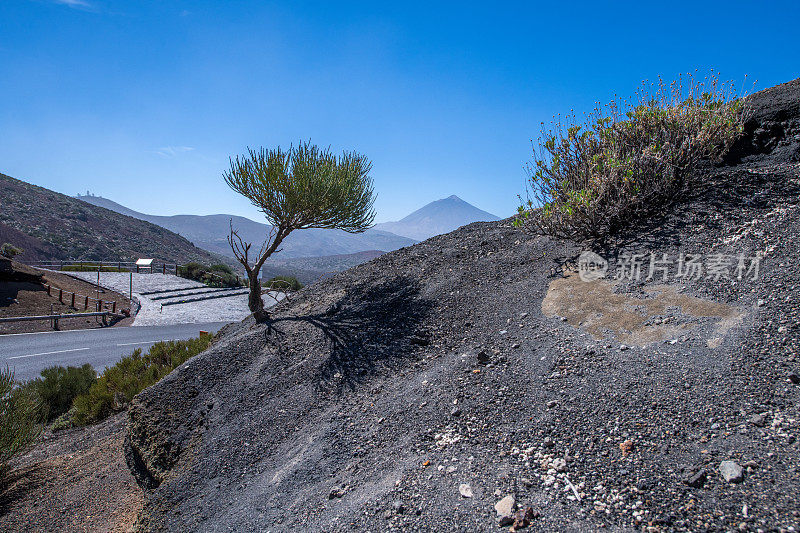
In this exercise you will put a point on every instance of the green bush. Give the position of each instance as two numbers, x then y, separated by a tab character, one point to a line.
92	267
222	268
192	271
9	250
20	418
118	384
58	387
284	283
629	159
213	276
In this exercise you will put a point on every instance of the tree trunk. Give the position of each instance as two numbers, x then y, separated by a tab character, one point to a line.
254	301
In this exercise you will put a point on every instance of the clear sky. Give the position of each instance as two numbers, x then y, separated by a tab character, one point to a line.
144	101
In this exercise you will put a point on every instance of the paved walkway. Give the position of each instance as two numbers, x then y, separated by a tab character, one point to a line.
154	313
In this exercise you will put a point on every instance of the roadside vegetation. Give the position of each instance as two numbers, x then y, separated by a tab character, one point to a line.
21	419
118	384
72	396
628	159
214	276
57	387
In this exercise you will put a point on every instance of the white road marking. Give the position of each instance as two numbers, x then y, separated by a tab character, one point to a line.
47	353
143	342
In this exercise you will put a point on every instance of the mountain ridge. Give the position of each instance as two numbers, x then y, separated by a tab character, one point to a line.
210	232
58	226
436	218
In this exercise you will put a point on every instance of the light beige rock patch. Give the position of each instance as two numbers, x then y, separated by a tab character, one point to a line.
659	314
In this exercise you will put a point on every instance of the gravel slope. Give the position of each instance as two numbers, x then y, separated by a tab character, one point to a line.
418	390
72	480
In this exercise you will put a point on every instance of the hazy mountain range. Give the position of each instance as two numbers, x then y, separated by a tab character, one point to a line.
210	232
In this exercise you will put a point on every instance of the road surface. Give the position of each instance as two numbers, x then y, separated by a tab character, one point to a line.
28	353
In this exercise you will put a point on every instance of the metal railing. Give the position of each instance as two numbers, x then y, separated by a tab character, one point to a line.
118	266
55	318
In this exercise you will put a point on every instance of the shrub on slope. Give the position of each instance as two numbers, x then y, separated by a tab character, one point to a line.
628	159
118	384
20	419
58	387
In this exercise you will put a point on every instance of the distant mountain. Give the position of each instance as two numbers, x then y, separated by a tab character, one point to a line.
53	226
436	218
211	233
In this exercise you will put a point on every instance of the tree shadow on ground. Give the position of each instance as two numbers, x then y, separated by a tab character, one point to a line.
372	327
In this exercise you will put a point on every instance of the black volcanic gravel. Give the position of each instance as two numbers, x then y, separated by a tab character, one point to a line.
375	394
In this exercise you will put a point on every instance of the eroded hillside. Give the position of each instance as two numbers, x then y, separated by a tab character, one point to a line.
419	390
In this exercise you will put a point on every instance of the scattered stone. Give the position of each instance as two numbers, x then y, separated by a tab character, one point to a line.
523	315
559	464
505	507
551	404
398	507
760	303
623	347
548	442
337	492
506	521
794	378
759	419
731	472
455	412
484	357
466	490
626	447
523	518
696	479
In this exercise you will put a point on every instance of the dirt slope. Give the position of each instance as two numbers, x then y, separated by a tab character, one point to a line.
376	396
23	293
72	480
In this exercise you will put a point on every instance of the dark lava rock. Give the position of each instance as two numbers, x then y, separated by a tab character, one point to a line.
696	479
297	401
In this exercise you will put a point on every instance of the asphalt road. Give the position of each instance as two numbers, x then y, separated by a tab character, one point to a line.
28	353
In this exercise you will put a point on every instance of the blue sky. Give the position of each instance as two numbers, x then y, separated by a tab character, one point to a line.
144	101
